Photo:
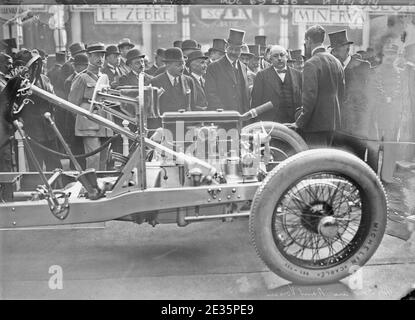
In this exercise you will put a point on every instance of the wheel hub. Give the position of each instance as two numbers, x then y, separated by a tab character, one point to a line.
328	227
313	215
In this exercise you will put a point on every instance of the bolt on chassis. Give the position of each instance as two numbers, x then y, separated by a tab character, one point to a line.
314	215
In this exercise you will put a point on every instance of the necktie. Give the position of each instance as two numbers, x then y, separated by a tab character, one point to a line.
235	69
201	82
176	82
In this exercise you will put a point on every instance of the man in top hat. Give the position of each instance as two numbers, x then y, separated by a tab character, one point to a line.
279	84
135	62
74	49
253	63
112	65
158	62
125	45
179	88
245	58
322	89
296	60
354	107
217	50
81	93
197	64
34	123
226	79
55	74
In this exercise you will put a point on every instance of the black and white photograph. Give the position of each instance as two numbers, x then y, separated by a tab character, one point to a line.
227	150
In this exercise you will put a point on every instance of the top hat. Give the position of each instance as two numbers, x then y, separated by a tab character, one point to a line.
177	43
218	45
77	47
60	57
338	39
173	55
81	59
112	50
295	55
197	54
261	40
190	45
96	47
254	49
236	37
125	42
134	54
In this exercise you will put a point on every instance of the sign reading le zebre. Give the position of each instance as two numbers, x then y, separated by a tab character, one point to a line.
135	14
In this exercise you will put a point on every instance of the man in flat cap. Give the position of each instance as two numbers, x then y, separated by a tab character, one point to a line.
112	65
34	123
158	62
217	50
226	79
322	89
197	64
81	93
279	84
179	88
354	107
125	45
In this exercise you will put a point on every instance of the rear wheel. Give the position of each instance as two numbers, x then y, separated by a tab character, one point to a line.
317	216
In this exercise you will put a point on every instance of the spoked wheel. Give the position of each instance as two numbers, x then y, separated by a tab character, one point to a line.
284	141
317	215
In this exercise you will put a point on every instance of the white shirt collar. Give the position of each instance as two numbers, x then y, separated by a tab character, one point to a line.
232	62
171	78
346	62
281	75
319	47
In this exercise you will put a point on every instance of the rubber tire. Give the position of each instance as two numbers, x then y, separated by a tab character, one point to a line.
281	132
291	171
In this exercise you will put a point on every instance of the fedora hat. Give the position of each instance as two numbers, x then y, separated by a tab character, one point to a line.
77	47
197	54
173	55
189	45
96	47
81	60
134	54
338	39
112	50
254	49
245	51
236	37
177	43
125	42
218	45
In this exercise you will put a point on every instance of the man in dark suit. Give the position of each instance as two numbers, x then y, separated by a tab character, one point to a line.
279	84
354	107
323	89
197	64
217	50
158	62
135	62
124	46
74	49
226	79
55	77
112	65
179	88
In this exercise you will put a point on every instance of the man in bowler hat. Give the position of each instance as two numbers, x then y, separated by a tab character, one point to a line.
179	88
112	65
226	79
197	64
125	45
158	62
135	62
74	49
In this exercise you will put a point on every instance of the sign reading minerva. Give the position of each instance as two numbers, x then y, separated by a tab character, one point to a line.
329	15
135	14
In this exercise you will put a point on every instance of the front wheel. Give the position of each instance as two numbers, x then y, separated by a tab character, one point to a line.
317	216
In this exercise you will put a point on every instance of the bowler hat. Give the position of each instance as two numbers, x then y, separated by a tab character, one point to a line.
261	40
80	60
218	45
134	54
338	39
112	50
295	55
125	42
189	45
60	57
245	51
77	47
254	49
236	37
197	54
160	52
177	43
96	47
173	55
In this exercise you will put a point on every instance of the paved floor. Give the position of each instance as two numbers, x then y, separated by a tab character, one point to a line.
210	260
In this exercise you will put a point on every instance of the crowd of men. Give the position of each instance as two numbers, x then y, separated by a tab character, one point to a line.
315	94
